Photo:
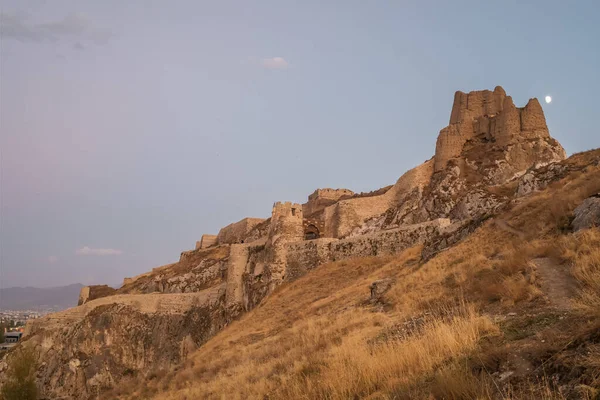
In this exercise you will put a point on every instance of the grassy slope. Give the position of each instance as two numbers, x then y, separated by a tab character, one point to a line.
480	320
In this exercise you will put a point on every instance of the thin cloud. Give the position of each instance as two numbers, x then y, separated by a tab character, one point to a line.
75	25
78	46
52	259
275	63
89	251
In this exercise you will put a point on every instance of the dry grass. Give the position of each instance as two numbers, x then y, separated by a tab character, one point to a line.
318	338
331	358
582	252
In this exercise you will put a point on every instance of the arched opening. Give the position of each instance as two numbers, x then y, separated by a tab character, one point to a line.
311	232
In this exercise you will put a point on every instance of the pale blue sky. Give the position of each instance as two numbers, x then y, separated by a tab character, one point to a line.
129	129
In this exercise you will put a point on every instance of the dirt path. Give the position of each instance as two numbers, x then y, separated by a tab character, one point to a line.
502	224
556	282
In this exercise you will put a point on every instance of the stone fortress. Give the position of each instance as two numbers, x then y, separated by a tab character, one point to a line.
488	143
484	159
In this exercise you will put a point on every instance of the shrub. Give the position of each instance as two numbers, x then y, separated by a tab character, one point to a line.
20	384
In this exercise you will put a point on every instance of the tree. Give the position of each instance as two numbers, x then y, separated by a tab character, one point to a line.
20	383
1	333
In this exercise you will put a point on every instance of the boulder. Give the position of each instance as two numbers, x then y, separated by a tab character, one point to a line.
379	288
587	215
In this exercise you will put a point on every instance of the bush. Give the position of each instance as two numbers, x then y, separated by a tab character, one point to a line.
20	384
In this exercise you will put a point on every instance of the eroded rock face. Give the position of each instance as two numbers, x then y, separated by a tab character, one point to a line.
538	179
379	288
587	215
87	349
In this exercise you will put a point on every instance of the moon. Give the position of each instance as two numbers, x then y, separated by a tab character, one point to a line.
548	99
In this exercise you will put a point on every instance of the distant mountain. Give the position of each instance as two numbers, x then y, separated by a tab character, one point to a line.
31	298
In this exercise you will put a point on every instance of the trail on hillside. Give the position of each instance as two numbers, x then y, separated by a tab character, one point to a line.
502	224
556	282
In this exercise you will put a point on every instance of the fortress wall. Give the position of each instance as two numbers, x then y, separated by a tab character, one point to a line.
236	232
343	217
306	255
340	219
322	198
93	292
127	281
144	303
206	241
238	258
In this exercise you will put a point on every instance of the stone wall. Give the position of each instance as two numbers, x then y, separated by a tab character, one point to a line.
347	216
238	231
286	226
322	198
309	254
93	292
206	241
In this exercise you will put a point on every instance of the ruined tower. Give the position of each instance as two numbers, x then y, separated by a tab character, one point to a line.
491	119
286	226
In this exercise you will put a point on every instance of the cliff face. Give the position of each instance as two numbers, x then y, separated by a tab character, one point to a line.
90	348
490	153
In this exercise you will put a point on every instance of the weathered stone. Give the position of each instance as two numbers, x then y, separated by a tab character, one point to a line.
379	288
587	214
88	293
539	178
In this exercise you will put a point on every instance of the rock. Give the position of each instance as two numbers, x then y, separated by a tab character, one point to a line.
587	215
539	178
379	288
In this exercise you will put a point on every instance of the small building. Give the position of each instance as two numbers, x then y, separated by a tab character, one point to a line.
12	337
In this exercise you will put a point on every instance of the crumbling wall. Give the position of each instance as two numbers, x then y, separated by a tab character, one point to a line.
238	231
93	292
206	241
493	117
306	255
346	216
322	198
286	226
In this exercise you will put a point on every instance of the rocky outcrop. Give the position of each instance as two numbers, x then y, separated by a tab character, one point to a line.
379	288
84	350
587	214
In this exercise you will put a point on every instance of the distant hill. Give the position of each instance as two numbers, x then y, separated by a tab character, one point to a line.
31	298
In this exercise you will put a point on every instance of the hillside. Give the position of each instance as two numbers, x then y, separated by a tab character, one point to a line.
474	276
511	312
31	298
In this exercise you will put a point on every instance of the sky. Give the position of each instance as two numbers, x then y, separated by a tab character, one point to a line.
129	129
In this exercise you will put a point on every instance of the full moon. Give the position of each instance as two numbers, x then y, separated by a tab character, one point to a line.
548	99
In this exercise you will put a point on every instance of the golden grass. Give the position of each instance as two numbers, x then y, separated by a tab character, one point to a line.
318	338
331	358
582	252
